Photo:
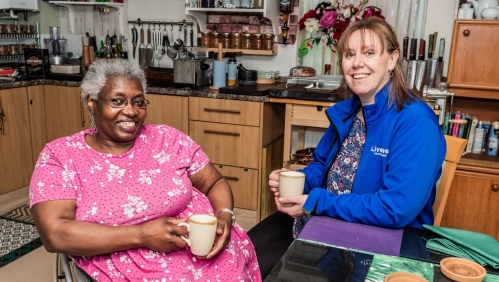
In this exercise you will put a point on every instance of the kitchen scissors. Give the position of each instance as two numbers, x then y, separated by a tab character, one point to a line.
134	39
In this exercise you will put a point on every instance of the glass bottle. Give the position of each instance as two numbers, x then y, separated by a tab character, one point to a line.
268	42
258	4
225	40
286	6
246	41
235	41
257	42
215	39
124	48
205	39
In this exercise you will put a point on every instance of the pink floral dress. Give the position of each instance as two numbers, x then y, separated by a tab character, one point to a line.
149	181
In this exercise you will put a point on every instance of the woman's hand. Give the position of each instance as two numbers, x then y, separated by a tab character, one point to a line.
292	206
162	234
274	181
224	227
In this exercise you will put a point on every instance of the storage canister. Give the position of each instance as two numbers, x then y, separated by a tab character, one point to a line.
268	42
205	39
225	40
258	4
246	41
215	39
235	41
10	29
3	28
30	29
21	48
14	50
20	28
257	42
4	50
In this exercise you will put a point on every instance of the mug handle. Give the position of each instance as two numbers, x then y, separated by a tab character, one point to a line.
188	229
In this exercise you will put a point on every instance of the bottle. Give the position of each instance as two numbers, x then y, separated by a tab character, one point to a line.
286	6
493	139
232	72
477	141
258	4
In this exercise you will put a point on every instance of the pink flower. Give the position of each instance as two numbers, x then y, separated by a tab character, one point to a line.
328	19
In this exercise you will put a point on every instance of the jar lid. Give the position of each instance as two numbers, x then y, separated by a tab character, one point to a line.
226	34
269	35
236	34
258	35
205	33
215	33
247	34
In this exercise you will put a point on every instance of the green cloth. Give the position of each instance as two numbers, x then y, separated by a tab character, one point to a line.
479	247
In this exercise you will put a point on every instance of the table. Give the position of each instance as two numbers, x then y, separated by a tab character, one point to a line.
311	260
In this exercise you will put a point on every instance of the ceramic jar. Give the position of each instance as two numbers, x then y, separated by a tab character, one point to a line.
235	41
490	13
205	39
479	5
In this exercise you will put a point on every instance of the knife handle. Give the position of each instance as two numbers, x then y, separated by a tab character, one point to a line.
404	47
422	45
441	50
141	36
430	47
412	54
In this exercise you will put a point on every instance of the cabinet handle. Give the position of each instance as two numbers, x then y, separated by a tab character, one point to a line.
466	32
222	132
495	187
231	178
222	111
2	117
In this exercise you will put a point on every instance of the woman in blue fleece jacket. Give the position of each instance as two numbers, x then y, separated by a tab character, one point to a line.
380	158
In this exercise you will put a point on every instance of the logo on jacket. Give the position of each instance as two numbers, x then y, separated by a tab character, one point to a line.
380	151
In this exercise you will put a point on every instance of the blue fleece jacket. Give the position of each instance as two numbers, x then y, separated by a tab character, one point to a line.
394	185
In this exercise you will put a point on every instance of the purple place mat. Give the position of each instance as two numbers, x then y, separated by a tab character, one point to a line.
356	236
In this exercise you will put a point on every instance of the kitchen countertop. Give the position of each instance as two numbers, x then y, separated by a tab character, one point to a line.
245	91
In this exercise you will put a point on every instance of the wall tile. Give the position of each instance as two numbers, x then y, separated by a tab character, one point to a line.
214	19
254	19
239	19
264	29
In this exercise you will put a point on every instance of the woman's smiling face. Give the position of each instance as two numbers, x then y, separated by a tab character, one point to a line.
119	125
366	66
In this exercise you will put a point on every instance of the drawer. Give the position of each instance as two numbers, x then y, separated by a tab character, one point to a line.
308	112
228	144
244	185
224	111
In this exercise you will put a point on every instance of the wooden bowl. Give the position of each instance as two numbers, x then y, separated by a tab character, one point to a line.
462	270
404	277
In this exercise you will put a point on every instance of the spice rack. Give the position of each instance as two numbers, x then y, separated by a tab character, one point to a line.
18	37
249	51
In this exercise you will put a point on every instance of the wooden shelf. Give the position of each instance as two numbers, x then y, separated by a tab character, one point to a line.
293	166
249	51
480	160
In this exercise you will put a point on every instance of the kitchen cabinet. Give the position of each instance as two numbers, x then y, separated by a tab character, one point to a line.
473	73
37	121
65	113
169	110
473	202
233	134
16	158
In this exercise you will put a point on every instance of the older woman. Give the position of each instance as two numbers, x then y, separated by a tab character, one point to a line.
112	196
380	158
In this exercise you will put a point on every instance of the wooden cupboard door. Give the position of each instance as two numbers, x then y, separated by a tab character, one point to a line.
228	144
473	203
169	110
224	111
244	185
65	113
37	120
16	158
474	56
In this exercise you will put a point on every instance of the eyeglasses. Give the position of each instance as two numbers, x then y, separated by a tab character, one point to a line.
118	102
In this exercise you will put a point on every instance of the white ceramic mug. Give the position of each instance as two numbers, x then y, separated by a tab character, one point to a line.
202	229
291	183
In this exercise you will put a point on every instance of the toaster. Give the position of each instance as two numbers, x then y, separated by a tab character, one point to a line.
192	73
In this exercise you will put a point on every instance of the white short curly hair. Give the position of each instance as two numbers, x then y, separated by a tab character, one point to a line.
99	71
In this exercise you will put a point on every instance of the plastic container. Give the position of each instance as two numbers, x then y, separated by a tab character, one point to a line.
232	71
235	41
493	139
477	141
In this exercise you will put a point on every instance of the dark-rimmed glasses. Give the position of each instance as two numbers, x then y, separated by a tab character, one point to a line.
118	102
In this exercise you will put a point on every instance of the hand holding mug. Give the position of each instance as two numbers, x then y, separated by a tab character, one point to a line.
162	234
291	183
202	229
274	181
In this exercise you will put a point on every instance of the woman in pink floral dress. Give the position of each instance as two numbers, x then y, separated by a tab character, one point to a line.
112	196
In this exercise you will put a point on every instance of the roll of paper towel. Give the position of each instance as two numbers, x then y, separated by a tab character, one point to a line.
219	74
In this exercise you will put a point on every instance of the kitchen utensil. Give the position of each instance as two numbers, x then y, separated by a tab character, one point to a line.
246	77
149	49
172	52
185	33
142	49
134	39
191	33
165	41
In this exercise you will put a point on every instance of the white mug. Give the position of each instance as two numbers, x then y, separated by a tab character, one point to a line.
291	183
202	229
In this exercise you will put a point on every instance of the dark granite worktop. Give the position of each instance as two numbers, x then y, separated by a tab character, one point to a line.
198	92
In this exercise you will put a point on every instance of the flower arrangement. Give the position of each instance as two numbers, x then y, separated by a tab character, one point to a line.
328	21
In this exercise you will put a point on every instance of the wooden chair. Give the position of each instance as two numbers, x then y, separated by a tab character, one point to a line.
455	148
